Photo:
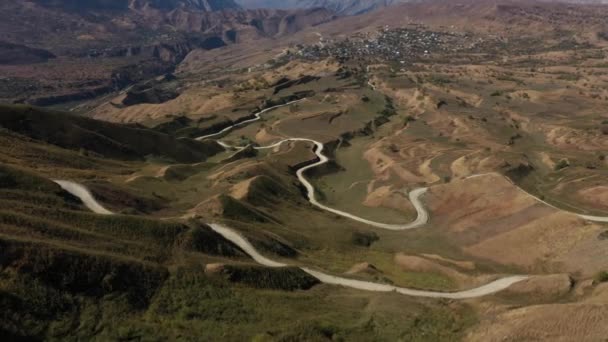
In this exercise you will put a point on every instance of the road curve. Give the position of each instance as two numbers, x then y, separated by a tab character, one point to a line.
592	218
490	288
257	116
422	214
414	196
85	196
240	241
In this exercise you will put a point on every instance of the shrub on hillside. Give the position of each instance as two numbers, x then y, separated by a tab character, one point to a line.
364	239
601	277
562	164
285	278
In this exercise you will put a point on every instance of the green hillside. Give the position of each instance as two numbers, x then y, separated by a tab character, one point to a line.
125	142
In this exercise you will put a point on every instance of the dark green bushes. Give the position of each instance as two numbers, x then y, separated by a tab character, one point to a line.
601	277
285	278
364	239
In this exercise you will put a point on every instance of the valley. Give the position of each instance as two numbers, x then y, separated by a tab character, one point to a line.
422	171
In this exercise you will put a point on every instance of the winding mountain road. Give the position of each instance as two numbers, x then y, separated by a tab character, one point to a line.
422	218
87	198
414	196
257	116
492	287
85	195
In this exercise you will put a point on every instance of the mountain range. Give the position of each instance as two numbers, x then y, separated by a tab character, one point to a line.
356	7
98	46
201	5
352	7
340	7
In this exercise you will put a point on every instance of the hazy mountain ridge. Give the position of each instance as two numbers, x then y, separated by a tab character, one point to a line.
355	7
351	7
342	7
201	5
285	4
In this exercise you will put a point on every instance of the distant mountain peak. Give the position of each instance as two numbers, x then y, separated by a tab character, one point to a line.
202	5
84	5
343	7
348	7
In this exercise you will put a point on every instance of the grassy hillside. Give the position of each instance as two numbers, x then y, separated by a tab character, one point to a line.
103	138
66	273
57	258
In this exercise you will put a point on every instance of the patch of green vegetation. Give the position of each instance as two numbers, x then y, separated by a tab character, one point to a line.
181	172
409	118
284	278
191	305
204	240
510	78
389	108
601	277
364	239
439	80
25	180
427	280
569	77
76	271
346	190
237	210
189	295
438	325
562	164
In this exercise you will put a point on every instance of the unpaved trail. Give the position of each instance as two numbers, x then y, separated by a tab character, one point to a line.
85	196
257	116
592	218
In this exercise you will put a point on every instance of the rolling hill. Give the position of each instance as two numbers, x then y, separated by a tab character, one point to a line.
101	138
420	171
